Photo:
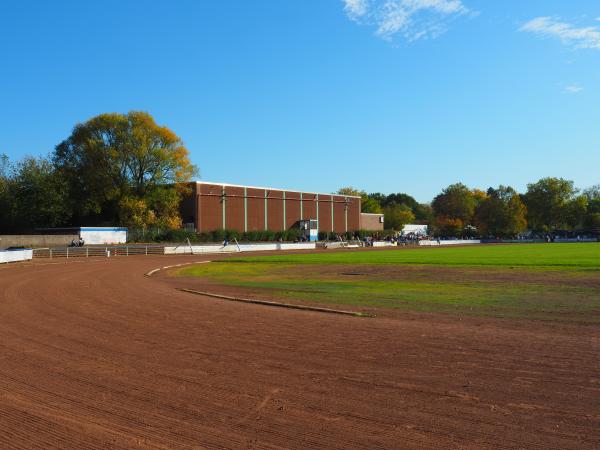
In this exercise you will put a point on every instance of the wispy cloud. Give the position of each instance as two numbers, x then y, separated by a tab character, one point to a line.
573	89
356	8
586	37
412	19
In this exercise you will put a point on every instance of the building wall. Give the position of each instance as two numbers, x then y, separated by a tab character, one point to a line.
209	216
213	206
234	202
275	210
36	240
256	209
371	222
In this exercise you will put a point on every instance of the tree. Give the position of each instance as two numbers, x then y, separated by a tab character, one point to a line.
6	201
114	160
39	194
501	213
4	166
576	211
367	204
379	198
549	204
447	226
401	199
396	216
592	215
32	195
350	191
423	214
454	209
371	206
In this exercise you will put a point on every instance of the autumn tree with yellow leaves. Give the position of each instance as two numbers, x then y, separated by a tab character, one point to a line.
124	168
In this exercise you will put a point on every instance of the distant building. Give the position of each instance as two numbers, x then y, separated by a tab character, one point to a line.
90	235
217	206
371	222
419	230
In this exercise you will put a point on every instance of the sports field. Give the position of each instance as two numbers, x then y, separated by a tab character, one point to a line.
95	354
538	281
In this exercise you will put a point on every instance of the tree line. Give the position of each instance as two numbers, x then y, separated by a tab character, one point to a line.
549	205
126	169
113	169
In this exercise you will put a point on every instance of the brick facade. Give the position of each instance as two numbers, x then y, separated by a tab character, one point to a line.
214	206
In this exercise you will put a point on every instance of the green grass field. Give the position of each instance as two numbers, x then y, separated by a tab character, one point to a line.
543	281
529	255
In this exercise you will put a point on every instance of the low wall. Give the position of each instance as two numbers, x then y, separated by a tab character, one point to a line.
454	242
383	244
36	240
7	256
233	248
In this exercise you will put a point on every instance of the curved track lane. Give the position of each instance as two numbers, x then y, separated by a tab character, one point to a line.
93	354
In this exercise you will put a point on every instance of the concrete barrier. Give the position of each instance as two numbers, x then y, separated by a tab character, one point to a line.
234	248
453	242
383	244
7	256
36	240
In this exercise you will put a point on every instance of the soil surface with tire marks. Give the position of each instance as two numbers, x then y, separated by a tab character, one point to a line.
93	354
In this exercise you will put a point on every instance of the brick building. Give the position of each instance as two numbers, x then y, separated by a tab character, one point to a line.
214	206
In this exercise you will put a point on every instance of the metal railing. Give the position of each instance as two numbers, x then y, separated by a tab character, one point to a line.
103	251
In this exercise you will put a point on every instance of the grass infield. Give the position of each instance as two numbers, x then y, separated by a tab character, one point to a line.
540	281
585	255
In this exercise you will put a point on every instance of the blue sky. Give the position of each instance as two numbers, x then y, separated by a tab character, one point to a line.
385	95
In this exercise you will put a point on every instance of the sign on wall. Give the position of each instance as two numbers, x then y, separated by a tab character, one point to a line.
103	235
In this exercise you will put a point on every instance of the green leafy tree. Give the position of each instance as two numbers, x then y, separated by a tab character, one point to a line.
6	202
576	212
367	203
454	208
401	198
396	216
32	195
501	213
114	160
592	215
370	205
379	198
550	206
37	195
423	214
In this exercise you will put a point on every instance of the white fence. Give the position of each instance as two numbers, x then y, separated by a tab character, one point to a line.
183	249
7	256
235	248
451	242
85	252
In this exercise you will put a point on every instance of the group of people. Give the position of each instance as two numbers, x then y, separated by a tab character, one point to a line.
77	243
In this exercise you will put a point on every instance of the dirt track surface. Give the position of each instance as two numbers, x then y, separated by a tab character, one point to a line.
95	355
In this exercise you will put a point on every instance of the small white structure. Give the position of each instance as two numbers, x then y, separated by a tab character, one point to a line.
451	242
103	235
7	256
419	230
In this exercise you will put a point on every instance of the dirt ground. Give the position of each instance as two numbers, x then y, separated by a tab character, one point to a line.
93	354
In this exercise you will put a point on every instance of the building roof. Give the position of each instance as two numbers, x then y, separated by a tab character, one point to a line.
273	189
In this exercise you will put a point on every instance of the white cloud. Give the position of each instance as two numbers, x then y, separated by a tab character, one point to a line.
587	37
413	19
573	89
356	8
